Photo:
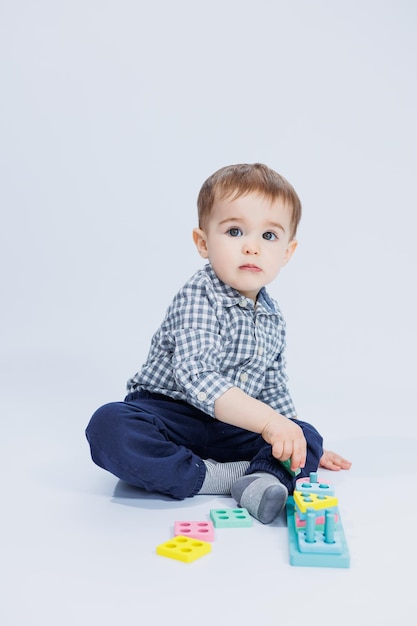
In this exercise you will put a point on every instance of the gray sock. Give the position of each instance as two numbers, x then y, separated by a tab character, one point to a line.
221	476
262	494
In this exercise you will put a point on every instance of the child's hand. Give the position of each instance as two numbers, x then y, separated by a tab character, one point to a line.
287	441
332	461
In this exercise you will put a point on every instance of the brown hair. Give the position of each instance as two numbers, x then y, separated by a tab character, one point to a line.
238	180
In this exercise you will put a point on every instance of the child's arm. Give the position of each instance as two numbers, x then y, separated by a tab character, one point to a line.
235	407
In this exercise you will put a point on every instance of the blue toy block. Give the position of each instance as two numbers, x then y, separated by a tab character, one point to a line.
319	541
230	518
312	558
318	546
313	485
183	549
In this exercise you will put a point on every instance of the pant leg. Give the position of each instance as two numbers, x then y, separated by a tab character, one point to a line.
157	443
134	441
265	462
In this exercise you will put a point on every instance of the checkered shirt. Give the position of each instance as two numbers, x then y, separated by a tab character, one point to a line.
212	339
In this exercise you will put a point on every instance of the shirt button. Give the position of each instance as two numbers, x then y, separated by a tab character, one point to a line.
201	396
243	302
260	351
244	377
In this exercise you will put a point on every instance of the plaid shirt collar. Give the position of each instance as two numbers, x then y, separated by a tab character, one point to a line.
231	297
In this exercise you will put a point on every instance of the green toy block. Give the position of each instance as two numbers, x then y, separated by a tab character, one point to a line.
230	518
287	465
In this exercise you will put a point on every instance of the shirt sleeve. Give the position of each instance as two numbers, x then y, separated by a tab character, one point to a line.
197	367
275	392
197	347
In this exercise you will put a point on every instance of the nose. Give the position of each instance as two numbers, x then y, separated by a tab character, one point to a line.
250	247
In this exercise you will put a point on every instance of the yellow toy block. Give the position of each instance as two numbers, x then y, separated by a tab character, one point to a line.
315	501
184	549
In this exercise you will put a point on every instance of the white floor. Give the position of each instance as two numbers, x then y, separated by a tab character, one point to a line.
78	547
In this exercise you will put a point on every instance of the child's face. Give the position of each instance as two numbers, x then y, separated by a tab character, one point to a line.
247	241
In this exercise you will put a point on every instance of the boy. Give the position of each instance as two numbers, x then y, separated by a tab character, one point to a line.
210	412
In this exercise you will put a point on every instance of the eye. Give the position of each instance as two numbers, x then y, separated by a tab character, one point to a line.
269	236
234	232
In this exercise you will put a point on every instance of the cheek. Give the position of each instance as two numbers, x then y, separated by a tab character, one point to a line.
221	248
276	261
221	256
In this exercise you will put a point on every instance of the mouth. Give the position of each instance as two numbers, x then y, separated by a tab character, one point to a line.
249	267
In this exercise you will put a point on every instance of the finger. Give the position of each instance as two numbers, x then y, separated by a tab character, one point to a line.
344	463
328	463
277	450
287	451
335	460
333	466
299	454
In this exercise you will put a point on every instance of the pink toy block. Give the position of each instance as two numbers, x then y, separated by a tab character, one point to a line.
197	530
300	522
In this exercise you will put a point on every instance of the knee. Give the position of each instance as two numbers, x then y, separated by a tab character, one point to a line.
103	423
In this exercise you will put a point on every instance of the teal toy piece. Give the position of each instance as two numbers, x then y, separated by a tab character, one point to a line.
230	518
321	542
287	465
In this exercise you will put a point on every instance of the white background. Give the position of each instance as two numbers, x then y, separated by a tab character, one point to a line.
112	114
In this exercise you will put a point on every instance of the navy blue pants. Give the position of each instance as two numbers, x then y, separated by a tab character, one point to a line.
157	443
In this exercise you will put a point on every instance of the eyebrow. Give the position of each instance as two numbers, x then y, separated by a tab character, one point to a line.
239	219
277	225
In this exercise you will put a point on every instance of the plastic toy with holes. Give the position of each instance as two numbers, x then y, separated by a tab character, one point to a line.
313	485
184	549
304	501
300	520
231	518
315	530
197	530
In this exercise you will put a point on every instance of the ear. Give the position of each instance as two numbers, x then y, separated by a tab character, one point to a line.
200	241
290	250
